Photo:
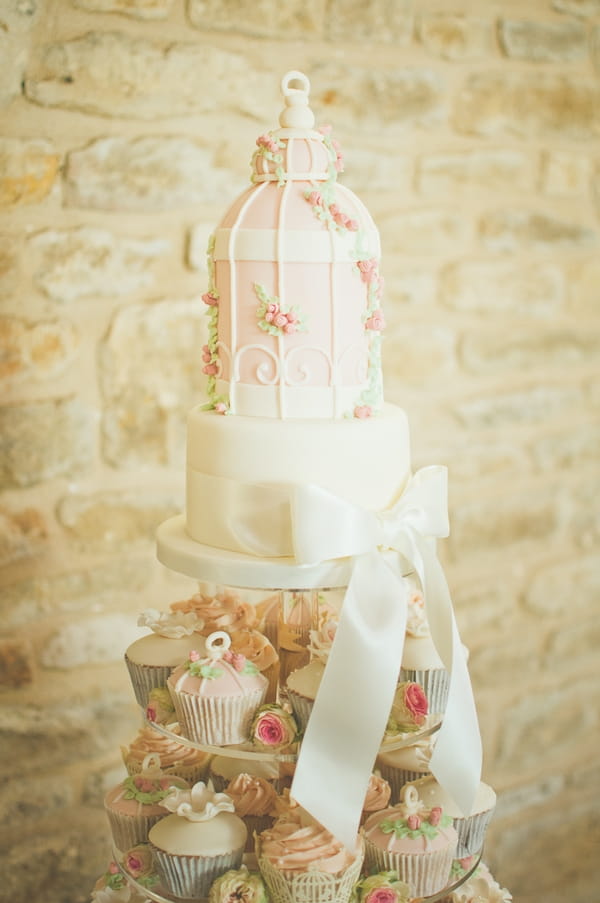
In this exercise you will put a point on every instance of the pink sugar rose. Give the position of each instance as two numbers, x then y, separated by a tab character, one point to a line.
413	822
151	713
435	816
352	226
280	320
368	269
194	655
211	369
362	411
466	862
210	299
221	408
134	865
334	210
144	785
206	355
382	895
416	702
376	321
236	659
315	198
289	328
269	316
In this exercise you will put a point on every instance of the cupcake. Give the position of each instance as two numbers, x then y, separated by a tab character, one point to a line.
239	884
470	829
223	769
377	796
176	759
254	801
398	766
417	843
300	860
151	659
216	696
201	840
257	649
133	806
421	663
302	685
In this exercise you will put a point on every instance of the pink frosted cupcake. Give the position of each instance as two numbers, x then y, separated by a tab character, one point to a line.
201	840
377	796
254	800
298	846
151	659
176	759
133	806
470	828
417	843
215	697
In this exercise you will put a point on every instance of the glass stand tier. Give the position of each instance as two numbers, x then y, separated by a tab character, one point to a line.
160	895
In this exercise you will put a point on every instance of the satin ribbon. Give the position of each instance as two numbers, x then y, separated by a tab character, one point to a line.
355	696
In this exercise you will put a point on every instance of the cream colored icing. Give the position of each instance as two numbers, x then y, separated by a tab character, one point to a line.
415	757
223	834
433	794
420	654
293	847
251	795
161	651
306	681
170	624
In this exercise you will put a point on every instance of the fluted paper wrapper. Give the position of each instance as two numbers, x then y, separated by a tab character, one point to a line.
435	683
425	873
216	720
311	886
302	706
471	833
192	876
398	777
145	678
129	830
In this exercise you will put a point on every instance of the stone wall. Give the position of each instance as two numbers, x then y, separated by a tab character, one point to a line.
471	130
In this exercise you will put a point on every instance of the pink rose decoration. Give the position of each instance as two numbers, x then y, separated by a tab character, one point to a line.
334	210
435	816
382	895
413	822
315	198
113	868
273	727
376	321
416	702
210	299
280	320
269	730
221	407
363	411
194	655
206	355
236	659
134	865
211	369
368	269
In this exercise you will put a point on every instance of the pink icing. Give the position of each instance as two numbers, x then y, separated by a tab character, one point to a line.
444	838
378	794
251	795
230	682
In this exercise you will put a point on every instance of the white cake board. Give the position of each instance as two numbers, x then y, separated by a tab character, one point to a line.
177	551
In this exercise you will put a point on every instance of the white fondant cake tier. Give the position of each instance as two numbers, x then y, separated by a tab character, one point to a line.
232	459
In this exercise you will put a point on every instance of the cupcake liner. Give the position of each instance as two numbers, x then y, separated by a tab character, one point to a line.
471	833
435	683
310	886
398	777
302	707
216	720
129	830
425	873
192	876
255	825
145	678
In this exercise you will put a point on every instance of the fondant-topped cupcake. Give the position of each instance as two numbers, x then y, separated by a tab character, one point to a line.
417	842
215	696
199	841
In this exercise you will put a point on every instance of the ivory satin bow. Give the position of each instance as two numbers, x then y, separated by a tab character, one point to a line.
356	693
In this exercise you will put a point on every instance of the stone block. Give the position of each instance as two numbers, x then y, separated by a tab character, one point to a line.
144	175
70	264
574	648
489	525
367	171
150	375
16	666
496	664
10	264
570	586
117	582
380	21
113	520
33	798
431	232
564	173
582	8
113	74
456	37
595	47
574	449
98	783
473	460
409	286
419	356
28	171
35	351
512	230
550	106
301	18
488	351
93	641
534	288
484	606
17	19
369	99
584	520
23	534
489	169
516	801
543	42
44	440
526	407
136	9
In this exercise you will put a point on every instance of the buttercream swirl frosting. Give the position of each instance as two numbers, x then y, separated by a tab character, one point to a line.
222	611
295	847
201	803
174	625
251	795
171	752
378	794
254	646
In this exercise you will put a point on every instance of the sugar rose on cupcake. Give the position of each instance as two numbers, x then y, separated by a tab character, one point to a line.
273	727
238	886
385	887
139	864
409	709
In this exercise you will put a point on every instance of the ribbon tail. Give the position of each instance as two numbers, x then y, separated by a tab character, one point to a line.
457	756
350	712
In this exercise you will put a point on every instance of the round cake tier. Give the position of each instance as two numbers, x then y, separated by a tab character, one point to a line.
239	470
